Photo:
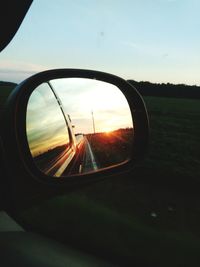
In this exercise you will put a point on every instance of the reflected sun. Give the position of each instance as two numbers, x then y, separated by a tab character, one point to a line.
108	131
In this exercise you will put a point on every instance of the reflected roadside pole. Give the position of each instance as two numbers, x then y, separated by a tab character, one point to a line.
93	121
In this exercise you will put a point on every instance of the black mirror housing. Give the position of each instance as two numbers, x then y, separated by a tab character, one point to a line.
28	183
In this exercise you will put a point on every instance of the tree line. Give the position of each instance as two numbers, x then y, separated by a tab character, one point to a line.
166	89
2	83
152	89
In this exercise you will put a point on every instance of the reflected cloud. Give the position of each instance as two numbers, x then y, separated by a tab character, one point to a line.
46	127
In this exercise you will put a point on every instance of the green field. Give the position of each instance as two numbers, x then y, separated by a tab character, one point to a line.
174	136
151	215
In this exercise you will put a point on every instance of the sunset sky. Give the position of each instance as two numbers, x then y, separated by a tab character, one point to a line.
83	99
151	40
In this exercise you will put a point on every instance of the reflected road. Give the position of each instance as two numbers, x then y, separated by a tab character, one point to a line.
84	160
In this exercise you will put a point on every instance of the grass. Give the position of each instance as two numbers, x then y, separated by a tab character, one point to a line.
94	228
150	215
111	148
175	135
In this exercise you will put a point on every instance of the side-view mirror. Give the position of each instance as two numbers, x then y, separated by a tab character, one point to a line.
66	127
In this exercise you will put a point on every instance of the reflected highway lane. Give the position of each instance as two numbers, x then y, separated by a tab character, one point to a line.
89	162
84	159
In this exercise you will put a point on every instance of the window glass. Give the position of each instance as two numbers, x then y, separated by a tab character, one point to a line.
47	130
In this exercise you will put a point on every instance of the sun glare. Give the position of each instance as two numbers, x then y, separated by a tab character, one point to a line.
108	131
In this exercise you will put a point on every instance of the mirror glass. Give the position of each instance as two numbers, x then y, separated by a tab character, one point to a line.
77	126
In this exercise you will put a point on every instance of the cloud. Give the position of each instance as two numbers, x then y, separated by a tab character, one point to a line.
16	71
130	44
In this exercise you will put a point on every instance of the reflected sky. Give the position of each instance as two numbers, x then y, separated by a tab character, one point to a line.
85	99
45	124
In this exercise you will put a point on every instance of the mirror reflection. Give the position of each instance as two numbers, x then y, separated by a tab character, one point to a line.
78	125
